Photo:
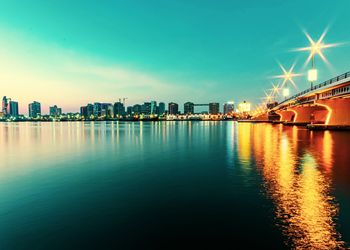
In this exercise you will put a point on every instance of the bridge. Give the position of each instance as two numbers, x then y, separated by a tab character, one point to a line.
323	106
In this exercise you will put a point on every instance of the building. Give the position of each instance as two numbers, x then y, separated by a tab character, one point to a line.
55	111
13	109
34	109
119	109
214	108
97	109
188	108
136	109
129	110
244	107
5	105
154	108
173	108
161	108
229	108
83	111
107	110
146	108
89	110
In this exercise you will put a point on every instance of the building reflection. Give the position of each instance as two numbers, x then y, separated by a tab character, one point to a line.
299	188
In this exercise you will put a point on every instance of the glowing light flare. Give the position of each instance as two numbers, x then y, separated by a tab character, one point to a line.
317	47
288	76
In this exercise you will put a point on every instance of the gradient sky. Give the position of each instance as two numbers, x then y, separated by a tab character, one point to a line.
73	52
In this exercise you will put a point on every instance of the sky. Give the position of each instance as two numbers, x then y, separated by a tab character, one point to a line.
71	53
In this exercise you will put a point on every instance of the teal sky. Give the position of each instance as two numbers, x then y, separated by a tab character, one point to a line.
73	52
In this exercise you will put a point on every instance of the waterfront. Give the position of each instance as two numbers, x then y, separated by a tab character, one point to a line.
131	185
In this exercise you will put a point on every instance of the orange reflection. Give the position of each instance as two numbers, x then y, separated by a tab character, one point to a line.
304	208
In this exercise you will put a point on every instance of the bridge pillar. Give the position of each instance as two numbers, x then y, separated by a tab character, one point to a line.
286	115
338	111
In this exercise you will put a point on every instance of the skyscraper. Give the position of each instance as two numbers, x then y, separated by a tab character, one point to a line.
97	109
153	107
173	108
119	109
146	108
188	108
129	110
229	108
214	108
161	108
34	109
136	109
13	109
89	110
5	105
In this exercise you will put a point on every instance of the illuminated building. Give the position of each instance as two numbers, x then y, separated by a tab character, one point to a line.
34	109
244	107
189	108
214	108
229	108
173	108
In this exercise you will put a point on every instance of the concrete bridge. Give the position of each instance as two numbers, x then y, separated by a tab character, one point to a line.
326	105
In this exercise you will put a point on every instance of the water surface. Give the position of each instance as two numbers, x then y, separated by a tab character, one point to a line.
150	185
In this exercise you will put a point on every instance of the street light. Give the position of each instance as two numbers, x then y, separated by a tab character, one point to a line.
315	48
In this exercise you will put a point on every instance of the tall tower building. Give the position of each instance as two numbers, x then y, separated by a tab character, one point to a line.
188	108
161	108
229	108
13	109
214	108
153	107
34	109
173	108
5	105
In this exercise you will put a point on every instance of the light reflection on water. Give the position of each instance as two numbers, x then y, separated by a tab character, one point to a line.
303	176
304	207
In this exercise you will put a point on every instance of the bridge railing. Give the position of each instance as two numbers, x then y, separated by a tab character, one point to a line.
325	83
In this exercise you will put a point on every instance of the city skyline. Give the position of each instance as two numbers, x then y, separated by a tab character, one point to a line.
188	51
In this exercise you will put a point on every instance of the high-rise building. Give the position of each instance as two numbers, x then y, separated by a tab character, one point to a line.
129	110
13	109
146	108
5	105
173	108
229	108
188	108
107	110
214	108
136	109
55	111
154	107
89	110
119	109
83	111
97	109
34	109
161	108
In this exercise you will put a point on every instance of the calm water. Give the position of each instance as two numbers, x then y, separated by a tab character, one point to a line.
173	185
